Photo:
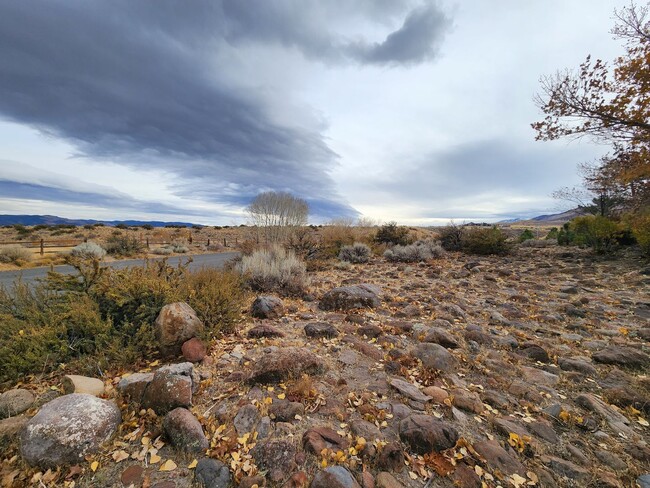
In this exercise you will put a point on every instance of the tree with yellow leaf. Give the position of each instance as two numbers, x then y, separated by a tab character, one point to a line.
611	104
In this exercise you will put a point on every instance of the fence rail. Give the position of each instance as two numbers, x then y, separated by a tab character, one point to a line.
43	244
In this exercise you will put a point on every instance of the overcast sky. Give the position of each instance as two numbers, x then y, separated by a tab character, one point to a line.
414	111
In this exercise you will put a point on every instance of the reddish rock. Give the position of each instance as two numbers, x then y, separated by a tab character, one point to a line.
193	350
498	457
391	458
132	475
264	331
171	387
133	386
424	433
277	457
184	431
319	438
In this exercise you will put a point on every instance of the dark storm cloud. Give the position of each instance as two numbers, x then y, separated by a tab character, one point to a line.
417	40
143	84
30	191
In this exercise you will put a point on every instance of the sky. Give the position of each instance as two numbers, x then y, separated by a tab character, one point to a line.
412	111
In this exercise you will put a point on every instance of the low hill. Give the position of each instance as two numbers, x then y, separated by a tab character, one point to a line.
54	220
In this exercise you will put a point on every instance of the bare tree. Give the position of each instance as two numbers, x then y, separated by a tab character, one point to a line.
277	214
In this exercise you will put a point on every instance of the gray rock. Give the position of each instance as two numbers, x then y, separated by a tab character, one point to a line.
409	390
566	468
581	365
184	431
246	419
440	336
286	362
277	457
176	323
643	481
351	297
212	473
623	356
67	429
171	387
16	401
320	329
498	457
133	386
267	307
434	356
334	477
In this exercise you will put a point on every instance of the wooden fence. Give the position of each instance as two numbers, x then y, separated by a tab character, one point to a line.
147	242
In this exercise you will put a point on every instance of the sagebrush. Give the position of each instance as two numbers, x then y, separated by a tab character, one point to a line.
274	269
418	251
356	253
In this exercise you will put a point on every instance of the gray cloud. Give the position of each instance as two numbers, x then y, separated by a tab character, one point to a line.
30	191
144	84
417	40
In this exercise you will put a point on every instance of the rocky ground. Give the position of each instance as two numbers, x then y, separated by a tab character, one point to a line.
527	370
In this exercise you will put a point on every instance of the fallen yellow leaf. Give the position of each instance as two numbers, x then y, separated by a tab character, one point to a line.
193	464
168	465
120	456
94	465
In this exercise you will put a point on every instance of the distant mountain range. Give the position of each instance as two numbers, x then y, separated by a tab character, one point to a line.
558	218
54	220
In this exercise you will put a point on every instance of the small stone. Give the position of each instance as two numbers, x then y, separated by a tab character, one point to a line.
566	468
267	307
467	400
623	356
193	350
440	336
387	480
334	477
391	458
132	476
318	438
10	427
286	362
168	390
408	390
438	395
212	473
73	383
13	402
370	330
577	364
246	419
434	356
498	457
318	330
185	431
534	352
133	386
424	433
264	330
276	456
285	411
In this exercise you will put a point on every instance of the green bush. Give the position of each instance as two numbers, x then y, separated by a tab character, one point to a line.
118	245
527	234
104	317
393	234
451	237
595	231
485	240
640	225
552	233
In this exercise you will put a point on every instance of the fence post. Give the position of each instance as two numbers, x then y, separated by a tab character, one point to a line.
190	238
208	242
224	242
147	243
42	246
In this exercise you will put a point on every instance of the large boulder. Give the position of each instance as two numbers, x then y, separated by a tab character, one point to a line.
351	297
267	307
176	324
13	402
67	429
423	433
284	363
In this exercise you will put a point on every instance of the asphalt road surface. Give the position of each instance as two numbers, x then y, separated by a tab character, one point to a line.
30	275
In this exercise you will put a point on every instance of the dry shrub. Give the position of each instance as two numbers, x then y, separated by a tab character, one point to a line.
88	250
15	254
417	252
485	240
274	270
356	253
119	245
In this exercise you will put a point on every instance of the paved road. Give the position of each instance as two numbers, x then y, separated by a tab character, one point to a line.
29	275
